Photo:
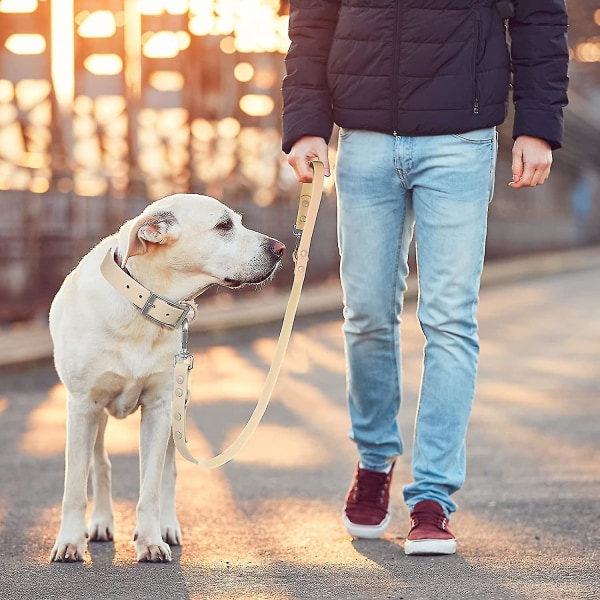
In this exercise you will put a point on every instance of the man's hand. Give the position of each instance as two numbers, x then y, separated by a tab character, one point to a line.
531	162
303	151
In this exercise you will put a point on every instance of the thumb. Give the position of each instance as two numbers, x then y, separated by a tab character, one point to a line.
517	164
325	161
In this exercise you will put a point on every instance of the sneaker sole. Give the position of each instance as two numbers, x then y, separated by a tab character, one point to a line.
430	547
368	532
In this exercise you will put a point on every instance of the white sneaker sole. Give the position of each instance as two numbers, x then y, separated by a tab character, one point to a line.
368	532
430	547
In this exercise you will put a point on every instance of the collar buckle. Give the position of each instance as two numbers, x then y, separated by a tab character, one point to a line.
146	310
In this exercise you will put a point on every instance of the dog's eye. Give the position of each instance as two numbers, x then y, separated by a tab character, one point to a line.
225	225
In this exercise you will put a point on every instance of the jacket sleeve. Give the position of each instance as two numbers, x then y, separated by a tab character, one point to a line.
540	57
306	99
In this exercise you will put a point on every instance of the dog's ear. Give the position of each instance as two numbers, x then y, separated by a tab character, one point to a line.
157	228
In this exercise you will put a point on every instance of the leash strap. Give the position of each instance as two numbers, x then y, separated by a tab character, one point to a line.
310	199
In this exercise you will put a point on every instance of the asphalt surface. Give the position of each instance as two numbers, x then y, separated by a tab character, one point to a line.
267	525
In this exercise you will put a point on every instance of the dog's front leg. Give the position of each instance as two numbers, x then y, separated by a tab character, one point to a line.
101	526
169	525
82	426
154	436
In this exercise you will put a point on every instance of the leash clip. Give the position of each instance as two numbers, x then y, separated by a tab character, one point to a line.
183	355
298	235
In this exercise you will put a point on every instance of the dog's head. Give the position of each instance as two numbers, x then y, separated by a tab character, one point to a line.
187	242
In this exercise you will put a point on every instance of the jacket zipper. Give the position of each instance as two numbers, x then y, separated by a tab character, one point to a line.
395	69
475	52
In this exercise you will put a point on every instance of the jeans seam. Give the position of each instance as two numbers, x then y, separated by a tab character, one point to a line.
493	165
392	314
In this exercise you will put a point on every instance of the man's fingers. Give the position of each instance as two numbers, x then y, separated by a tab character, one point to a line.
517	165
302	168
532	175
531	162
307	149
528	176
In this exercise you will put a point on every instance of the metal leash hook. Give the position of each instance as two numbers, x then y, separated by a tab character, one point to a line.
183	363
183	355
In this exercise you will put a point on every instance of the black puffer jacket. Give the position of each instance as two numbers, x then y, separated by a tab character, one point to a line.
424	67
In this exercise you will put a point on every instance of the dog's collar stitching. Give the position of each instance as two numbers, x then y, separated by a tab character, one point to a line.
157	308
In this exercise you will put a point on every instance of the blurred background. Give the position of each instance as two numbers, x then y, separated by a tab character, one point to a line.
106	105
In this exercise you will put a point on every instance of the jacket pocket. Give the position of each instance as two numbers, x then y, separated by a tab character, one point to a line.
345	132
477	136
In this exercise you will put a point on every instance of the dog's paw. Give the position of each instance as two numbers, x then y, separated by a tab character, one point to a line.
101	528
67	552
160	552
171	532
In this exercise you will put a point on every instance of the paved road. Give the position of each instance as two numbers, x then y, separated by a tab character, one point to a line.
267	525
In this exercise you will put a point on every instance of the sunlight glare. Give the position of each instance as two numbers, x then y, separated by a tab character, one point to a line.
26	43
257	105
163	44
199	25
166	81
150	7
243	72
107	109
588	51
227	45
30	92
103	64
62	56
45	433
277	447
99	24
176	7
228	128
6	91
232	377
39	185
18	6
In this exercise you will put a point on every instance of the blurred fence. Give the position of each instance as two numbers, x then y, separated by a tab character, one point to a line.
167	99
43	236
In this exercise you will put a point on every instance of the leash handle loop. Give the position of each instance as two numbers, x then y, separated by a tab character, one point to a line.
313	192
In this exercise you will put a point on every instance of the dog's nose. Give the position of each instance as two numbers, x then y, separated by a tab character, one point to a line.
277	248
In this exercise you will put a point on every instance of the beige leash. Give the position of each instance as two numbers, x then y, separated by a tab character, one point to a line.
310	198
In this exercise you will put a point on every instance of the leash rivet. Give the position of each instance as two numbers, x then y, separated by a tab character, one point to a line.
180	379
179	392
305	203
178	434
300	268
178	416
303	253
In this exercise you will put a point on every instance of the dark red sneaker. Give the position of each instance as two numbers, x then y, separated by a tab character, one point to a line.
367	514
429	531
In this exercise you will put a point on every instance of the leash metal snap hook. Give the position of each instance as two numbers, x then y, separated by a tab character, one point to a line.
183	355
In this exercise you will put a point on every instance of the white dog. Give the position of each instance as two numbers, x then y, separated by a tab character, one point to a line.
113	357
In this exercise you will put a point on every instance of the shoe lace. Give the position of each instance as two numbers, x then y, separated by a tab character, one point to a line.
428	517
370	487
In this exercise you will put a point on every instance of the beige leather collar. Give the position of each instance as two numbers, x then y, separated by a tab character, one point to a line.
156	308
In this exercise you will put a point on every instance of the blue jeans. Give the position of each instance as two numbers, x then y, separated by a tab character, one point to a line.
438	187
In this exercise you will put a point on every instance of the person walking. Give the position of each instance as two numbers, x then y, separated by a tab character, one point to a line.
417	88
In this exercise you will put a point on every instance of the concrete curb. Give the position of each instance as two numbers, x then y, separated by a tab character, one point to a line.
30	342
